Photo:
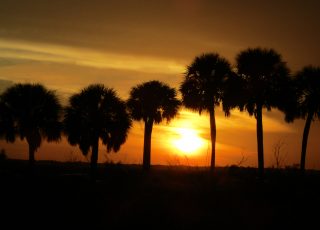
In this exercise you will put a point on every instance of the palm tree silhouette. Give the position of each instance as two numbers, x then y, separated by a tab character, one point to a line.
96	113
203	88
152	102
264	76
307	82
31	112
6	123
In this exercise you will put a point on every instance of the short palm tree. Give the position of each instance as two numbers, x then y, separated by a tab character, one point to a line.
307	83
203	89
31	112
265	78
96	113
152	102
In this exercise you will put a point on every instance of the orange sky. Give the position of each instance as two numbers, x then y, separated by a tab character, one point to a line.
69	44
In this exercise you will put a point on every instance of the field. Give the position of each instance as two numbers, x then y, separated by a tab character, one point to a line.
61	195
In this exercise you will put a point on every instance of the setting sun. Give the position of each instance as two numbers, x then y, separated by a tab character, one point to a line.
189	141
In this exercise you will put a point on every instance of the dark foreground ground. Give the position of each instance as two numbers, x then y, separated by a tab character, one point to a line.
62	196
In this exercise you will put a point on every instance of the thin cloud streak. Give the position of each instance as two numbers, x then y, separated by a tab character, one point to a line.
237	121
85	57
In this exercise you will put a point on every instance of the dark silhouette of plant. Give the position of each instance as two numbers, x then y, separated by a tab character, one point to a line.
152	102
307	84
6	123
31	112
96	113
203	89
3	155
278	153
263	83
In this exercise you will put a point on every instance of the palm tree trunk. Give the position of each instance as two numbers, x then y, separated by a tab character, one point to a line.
94	159
32	151
147	144
260	141
305	142
213	130
31	156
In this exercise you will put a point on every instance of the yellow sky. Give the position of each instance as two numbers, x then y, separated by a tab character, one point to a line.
67	45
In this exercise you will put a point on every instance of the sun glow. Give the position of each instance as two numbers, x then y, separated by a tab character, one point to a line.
189	141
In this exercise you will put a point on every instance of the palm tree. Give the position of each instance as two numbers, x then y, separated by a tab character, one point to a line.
31	112
96	113
6	123
265	77
203	89
152	102
307	82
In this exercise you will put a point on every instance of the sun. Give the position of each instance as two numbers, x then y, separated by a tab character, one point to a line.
189	141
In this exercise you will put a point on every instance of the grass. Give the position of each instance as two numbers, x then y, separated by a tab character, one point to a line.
61	195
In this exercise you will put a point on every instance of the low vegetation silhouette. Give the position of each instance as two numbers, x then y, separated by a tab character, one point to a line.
152	102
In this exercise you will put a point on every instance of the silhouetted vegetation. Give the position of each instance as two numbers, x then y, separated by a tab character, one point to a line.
152	102
96	113
203	89
279	154
61	194
180	197
3	156
31	112
307	99
261	80
264	78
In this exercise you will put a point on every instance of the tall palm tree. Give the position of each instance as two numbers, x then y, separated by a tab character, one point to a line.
96	113
152	102
265	77
307	82
203	89
31	112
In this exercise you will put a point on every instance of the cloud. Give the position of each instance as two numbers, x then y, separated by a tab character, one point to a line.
168	28
237	122
242	121
20	50
68	79
11	61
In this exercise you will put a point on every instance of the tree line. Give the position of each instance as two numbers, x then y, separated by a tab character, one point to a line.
259	80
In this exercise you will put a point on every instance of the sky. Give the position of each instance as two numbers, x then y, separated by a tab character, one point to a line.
67	45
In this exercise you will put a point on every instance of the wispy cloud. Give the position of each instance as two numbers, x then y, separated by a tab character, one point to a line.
22	50
237	121
10	61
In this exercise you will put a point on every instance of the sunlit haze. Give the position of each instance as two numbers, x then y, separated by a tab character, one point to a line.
188	141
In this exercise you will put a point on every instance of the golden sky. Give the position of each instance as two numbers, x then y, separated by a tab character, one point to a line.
69	44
